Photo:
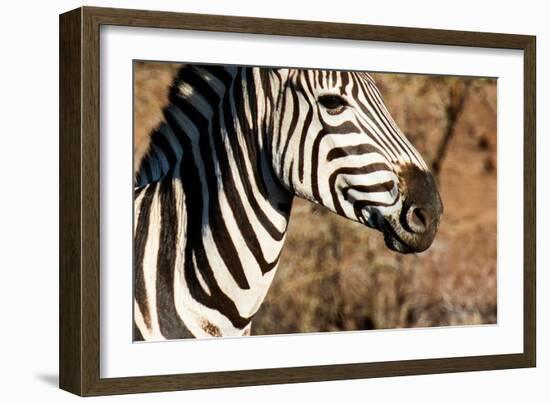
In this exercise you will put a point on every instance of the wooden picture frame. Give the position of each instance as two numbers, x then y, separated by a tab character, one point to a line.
80	199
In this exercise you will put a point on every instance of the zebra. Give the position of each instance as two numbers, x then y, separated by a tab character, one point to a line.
213	195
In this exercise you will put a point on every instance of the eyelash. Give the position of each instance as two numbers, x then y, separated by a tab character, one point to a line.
334	104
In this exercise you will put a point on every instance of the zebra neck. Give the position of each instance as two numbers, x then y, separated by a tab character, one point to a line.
236	212
220	116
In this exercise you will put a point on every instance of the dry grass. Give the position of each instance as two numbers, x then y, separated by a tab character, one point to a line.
150	95
337	275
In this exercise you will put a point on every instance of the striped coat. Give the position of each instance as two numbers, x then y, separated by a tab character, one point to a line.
214	193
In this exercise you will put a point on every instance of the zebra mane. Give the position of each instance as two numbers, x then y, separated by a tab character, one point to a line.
233	104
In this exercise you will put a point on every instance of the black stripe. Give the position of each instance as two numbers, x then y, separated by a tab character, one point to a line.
171	326
318	77
250	134
140	243
359	205
345	128
293	124
290	172
359	149
281	102
307	122
137	336
376	139
303	135
161	141
145	171
376	188
367	169
345	81
176	133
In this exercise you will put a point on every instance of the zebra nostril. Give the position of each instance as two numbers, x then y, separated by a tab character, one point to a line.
418	219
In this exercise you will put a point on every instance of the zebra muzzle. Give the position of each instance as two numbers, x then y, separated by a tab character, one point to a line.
415	228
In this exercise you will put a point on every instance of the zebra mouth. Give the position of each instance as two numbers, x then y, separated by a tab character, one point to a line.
393	241
391	238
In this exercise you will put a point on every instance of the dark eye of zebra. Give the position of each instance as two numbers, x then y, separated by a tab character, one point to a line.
334	104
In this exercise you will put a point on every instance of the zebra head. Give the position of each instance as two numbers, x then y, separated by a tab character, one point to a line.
334	143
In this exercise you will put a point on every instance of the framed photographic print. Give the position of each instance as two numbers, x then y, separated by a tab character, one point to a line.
249	201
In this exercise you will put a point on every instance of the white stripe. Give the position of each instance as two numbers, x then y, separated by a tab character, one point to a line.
150	263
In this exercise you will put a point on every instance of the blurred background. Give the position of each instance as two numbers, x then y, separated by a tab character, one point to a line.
335	274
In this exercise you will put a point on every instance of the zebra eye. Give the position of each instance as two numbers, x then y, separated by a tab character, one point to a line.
334	104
